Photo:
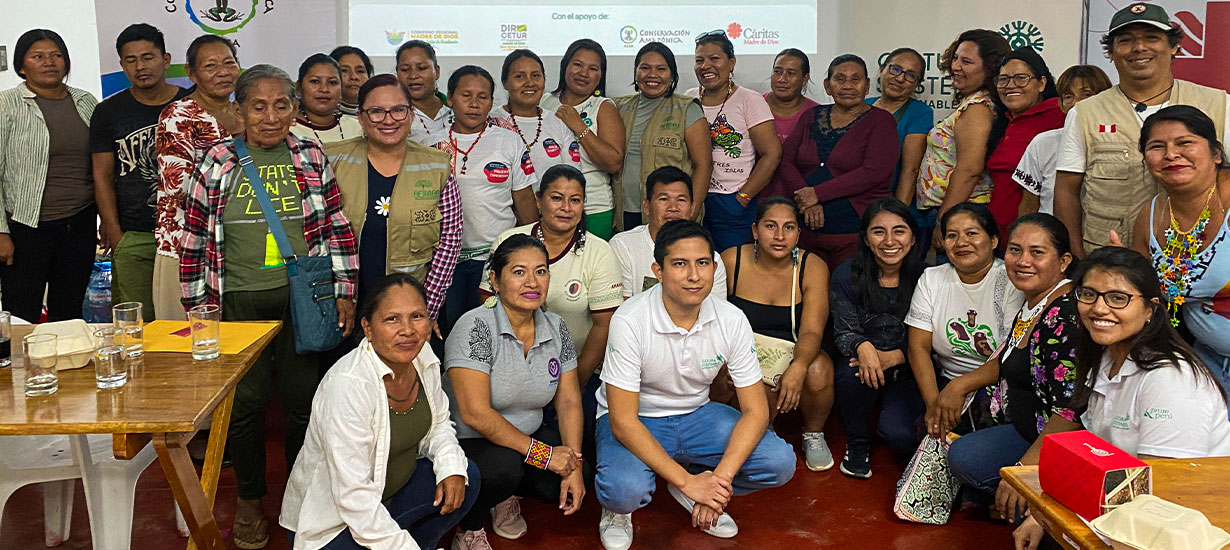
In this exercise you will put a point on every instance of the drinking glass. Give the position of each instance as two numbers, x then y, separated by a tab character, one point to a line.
6	346
110	360
204	321
40	353
127	317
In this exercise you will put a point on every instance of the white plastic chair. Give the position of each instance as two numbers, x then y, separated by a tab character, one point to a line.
57	460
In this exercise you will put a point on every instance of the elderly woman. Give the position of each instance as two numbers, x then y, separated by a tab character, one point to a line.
901	71
418	71
549	141
582	86
381	467
46	189
1182	153
398	195
250	283
507	360
838	159
320	93
186	129
743	141
356	69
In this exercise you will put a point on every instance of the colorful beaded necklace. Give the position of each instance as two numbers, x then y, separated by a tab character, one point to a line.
1178	261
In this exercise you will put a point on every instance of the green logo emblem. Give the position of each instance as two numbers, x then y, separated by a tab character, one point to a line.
221	19
1023	33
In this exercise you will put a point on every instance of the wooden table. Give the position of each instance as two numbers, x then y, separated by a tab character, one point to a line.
168	397
1195	483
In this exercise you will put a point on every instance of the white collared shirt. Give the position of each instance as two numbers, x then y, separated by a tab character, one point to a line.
339	477
634	250
1166	411
671	368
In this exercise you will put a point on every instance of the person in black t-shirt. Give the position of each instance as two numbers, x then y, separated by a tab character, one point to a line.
125	168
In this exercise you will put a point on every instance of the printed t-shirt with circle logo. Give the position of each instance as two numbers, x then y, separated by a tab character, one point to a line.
582	282
556	144
598	194
966	321
253	261
734	154
498	165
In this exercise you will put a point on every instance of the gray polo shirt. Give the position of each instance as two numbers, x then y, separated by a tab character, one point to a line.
521	384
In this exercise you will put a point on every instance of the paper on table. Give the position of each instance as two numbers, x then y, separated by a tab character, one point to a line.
175	336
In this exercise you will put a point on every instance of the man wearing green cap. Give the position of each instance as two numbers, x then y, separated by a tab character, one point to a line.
1101	181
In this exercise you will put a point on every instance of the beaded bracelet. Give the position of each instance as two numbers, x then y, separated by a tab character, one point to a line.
539	454
583	134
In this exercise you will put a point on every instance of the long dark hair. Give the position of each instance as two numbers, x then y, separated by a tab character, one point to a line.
1056	232
991	49
503	253
514	56
1157	345
666	53
1196	122
570	173
582	44
27	40
1040	70
865	272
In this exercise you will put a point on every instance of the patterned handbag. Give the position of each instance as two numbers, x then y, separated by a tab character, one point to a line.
927	489
775	354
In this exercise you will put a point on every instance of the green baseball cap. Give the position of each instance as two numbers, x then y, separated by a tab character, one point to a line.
1140	12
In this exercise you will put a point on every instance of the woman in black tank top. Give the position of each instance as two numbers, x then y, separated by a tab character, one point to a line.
783	291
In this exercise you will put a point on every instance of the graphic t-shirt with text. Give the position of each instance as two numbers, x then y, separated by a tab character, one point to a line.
253	261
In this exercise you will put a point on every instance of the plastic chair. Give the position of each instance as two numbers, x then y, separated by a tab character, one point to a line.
55	461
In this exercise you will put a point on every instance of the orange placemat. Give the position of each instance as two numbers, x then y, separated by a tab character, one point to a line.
175	336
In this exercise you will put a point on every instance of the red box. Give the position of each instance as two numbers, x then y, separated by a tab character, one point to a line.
1088	475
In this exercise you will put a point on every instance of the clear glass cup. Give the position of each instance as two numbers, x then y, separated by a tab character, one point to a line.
110	359
127	317
6	334
40	360
204	321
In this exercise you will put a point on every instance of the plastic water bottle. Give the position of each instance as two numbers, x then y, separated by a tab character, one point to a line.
97	305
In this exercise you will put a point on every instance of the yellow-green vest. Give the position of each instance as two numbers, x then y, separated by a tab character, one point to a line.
662	143
414	209
1116	182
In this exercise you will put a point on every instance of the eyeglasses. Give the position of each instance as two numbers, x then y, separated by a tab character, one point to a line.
1114	299
377	114
1020	80
715	32
896	71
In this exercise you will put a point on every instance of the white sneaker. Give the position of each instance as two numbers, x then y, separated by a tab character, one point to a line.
615	530
506	519
725	527
471	540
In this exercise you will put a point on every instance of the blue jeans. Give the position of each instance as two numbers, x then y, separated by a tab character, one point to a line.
624	483
976	457
462	295
728	221
1219	364
412	509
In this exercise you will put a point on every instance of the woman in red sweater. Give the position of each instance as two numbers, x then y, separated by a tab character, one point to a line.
838	159
1028	106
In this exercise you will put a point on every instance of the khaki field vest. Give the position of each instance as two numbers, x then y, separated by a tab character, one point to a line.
414	209
1116	182
662	143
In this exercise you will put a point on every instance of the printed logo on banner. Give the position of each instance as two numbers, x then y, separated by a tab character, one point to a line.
434	37
395	38
496	172
753	36
513	37
222	19
627	35
631	37
1023	33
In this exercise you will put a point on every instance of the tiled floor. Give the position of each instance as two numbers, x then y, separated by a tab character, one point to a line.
815	510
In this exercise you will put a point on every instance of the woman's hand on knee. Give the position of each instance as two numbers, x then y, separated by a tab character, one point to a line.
450	493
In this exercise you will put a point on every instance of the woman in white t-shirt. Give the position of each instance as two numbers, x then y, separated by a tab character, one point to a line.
549	141
961	310
495	177
1139	385
599	128
320	91
745	146
418	71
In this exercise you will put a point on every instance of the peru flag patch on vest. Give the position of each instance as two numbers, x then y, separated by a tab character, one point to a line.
1106	128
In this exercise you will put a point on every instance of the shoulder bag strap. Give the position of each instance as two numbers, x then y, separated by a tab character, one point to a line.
794	282
258	188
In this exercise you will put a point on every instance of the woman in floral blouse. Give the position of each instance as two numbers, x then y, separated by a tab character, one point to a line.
1034	368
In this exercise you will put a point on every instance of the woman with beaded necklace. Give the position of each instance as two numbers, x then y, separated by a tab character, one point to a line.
418	71
548	140
320	92
1182	153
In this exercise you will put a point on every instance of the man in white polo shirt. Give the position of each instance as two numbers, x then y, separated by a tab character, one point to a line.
668	197
664	348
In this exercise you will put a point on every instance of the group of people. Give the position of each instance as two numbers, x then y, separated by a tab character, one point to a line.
987	275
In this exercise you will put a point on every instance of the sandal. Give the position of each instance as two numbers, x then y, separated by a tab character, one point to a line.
248	534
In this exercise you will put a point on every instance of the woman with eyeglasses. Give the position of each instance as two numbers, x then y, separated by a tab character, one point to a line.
744	143
400	197
901	74
1028	106
320	92
1138	385
549	141
418	71
791	74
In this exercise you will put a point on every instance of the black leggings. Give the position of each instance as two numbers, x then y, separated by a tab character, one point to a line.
504	474
56	257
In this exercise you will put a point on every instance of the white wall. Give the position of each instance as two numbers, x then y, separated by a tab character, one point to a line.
72	19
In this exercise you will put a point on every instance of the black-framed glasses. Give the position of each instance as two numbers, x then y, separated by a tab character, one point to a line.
1019	80
896	71
1114	299
714	32
377	114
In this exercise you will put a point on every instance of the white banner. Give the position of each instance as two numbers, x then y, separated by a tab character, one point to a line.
278	32
495	27
1203	51
1053	27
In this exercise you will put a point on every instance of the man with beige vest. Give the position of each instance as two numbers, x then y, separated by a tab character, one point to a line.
1101	181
